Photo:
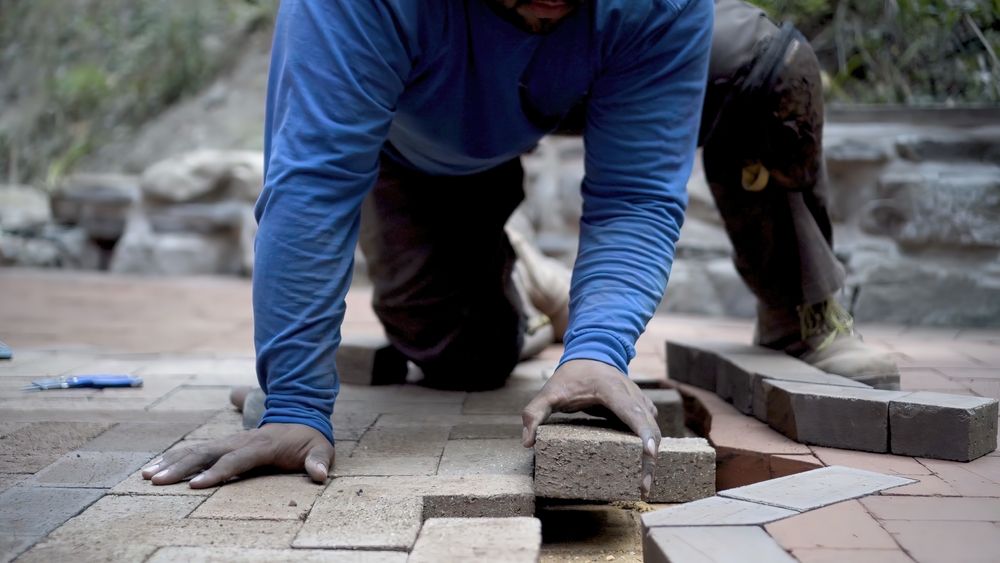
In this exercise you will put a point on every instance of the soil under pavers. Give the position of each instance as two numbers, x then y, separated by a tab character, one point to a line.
191	338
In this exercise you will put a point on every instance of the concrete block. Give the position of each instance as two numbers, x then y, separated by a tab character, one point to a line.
943	426
271	497
716	511
100	470
151	437
36	511
421	441
473	496
362	519
827	415
500	540
715	544
817	488
669	411
588	463
692	363
345	466
31	447
478	457
240	555
369	360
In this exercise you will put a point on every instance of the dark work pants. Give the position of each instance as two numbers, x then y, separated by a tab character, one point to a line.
440	263
781	235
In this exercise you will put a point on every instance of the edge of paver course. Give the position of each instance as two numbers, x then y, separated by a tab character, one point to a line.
813	407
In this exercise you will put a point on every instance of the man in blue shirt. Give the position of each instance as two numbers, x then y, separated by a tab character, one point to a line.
424	107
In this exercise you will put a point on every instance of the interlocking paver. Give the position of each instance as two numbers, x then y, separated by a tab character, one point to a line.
817	488
506	400
826	415
273	497
588	463
716	511
151	437
960	477
385	465
426	441
441	419
362	519
35	445
473	496
669	411
713	544
845	525
500	540
477	457
485	431
35	511
82	469
928	508
48	551
880	463
943	426
369	360
194	398
236	555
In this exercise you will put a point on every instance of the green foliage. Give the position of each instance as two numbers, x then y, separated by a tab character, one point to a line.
902	51
77	71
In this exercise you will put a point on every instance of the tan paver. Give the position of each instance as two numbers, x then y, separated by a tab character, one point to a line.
499	540
236	555
385	465
272	497
33	446
421	441
194	398
83	469
364	519
153	437
479	457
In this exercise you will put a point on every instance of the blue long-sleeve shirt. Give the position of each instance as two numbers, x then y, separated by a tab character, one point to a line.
449	87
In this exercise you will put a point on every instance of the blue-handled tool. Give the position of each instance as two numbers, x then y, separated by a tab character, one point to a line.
100	381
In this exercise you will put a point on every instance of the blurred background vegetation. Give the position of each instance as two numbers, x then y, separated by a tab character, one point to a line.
75	71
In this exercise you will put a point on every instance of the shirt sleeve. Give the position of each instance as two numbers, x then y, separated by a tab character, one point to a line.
640	136
326	122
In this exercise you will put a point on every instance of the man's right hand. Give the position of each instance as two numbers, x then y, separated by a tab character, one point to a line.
286	447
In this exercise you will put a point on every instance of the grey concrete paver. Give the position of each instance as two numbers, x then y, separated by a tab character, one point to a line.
499	540
35	511
82	469
140	437
716	511
669	411
943	426
714	544
826	415
816	488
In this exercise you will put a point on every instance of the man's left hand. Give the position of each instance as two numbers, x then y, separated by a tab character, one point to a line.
583	384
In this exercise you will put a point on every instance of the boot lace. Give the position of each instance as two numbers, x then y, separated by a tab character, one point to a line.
827	319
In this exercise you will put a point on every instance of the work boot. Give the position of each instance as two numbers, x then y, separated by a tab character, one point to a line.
823	336
545	281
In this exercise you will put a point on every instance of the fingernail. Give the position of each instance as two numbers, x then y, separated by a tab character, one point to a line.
524	436
323	469
647	483
650	446
161	473
151	469
155	462
198	479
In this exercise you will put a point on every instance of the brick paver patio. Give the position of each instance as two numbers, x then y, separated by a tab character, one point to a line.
69	460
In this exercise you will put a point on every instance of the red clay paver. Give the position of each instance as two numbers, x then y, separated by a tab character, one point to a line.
947	542
846	525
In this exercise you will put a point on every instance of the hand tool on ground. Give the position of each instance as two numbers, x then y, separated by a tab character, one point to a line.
100	381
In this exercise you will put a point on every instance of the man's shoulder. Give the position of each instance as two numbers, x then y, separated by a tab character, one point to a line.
639	12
